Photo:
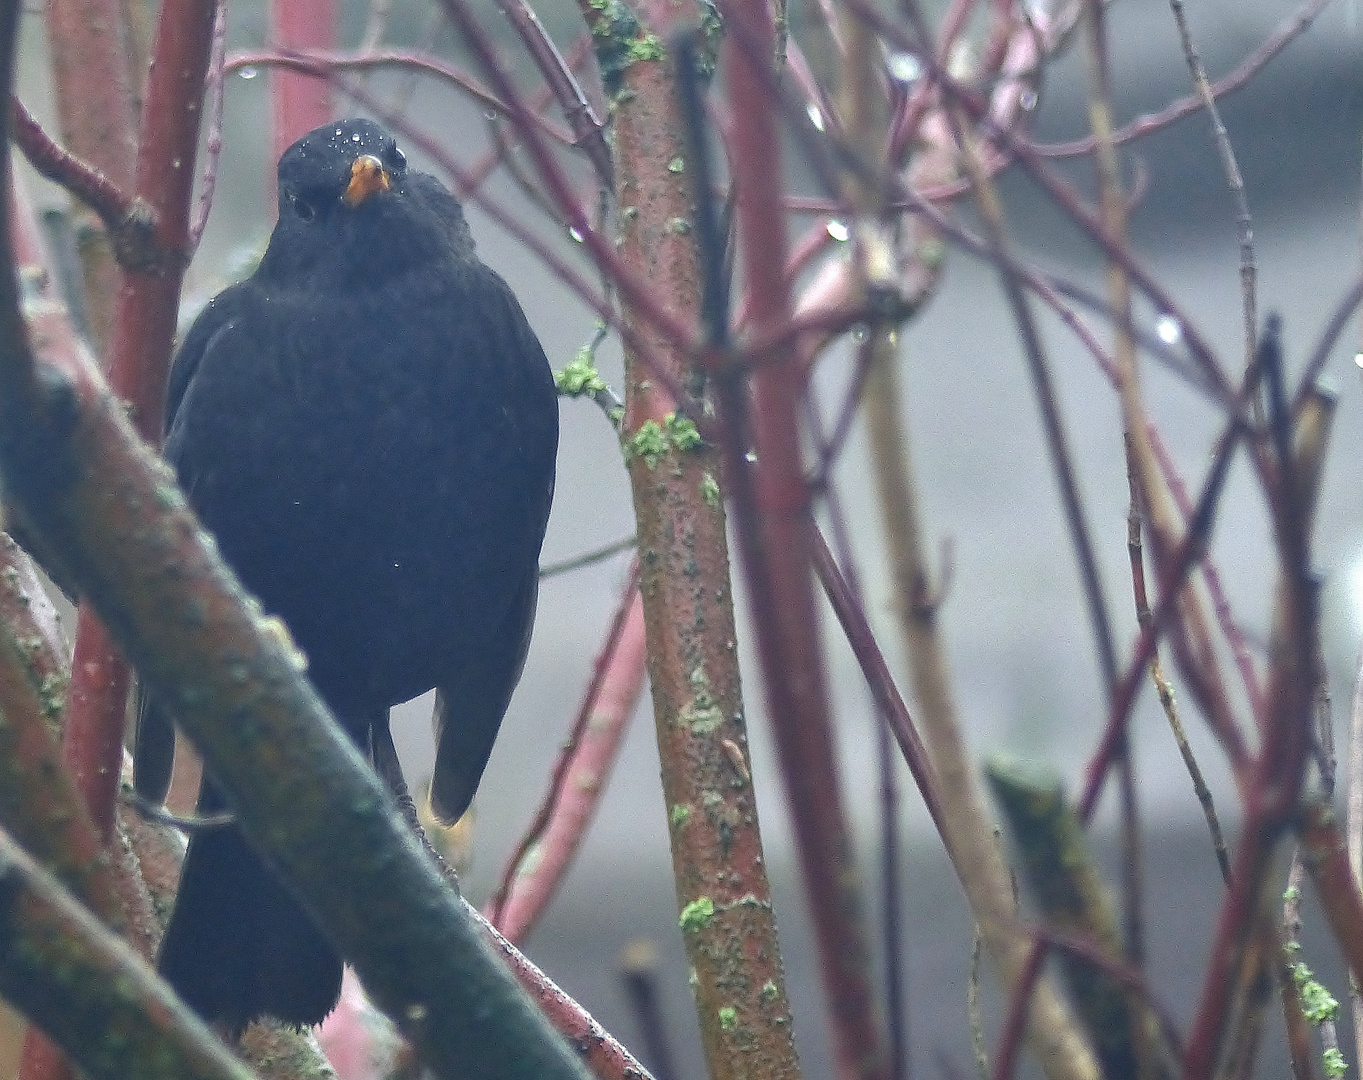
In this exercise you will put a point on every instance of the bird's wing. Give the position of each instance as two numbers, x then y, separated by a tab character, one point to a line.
470	703
154	739
217	316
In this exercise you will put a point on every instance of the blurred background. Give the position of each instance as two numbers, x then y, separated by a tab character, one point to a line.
1013	614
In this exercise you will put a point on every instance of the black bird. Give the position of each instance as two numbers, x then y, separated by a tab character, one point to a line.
368	425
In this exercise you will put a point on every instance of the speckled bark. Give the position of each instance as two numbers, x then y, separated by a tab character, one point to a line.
722	892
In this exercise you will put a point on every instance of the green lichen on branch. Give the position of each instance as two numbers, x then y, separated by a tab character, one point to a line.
619	40
648	443
653	440
709	490
1333	1064
697	914
580	377
1318	1005
682	432
728	1018
701	714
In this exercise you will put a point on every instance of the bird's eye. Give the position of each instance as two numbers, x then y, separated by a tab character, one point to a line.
398	160
304	209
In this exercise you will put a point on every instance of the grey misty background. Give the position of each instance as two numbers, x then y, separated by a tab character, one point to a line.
1014	621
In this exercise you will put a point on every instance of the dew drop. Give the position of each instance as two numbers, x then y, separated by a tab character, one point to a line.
247	73
1168	330
838	231
815	117
904	67
1027	99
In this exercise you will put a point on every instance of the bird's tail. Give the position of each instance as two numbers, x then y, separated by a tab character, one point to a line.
238	945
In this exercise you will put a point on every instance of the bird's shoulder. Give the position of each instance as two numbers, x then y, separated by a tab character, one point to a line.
217	316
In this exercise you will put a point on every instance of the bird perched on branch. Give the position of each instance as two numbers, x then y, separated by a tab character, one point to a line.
368	426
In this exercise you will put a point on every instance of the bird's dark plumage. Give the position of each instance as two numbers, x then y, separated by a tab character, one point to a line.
368	425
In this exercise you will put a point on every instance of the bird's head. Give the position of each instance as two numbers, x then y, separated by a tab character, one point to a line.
349	205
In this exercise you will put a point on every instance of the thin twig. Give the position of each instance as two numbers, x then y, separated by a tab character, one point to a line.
567	778
323	65
217	75
114	205
1292	28
558	76
588	558
1243	222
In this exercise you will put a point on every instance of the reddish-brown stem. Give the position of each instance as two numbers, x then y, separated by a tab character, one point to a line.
579	775
878	678
143	330
558	76
700	720
299	103
97	120
86	182
323	65
93	745
775	533
599	1050
1326	857
1271	46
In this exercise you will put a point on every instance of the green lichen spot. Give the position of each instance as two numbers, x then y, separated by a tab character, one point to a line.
682	432
1292	895
676	165
728	1018
770	991
580	376
932	253
619	41
709	490
701	714
679	815
649	443
1333	1064
648	47
678	226
1317	1003
697	914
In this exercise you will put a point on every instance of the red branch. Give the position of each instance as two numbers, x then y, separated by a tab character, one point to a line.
300	103
80	178
774	528
579	775
143	331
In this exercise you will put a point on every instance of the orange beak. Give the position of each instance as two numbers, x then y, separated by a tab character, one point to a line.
367	176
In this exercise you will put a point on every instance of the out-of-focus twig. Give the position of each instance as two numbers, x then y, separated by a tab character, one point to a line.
90	992
579	776
587	128
1353	770
775	529
1243	222
113	204
95	87
299	104
320	64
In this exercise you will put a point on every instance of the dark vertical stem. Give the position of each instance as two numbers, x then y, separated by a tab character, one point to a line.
774	532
